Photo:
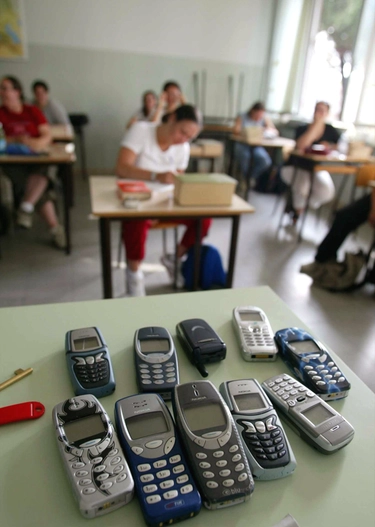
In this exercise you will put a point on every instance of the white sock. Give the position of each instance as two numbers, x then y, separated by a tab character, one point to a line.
27	207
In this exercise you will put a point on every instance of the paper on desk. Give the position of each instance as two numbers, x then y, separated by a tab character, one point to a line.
160	192
288	521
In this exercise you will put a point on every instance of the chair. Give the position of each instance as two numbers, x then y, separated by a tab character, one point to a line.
79	121
163	227
365	174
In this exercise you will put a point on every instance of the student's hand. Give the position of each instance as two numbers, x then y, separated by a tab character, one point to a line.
166	177
162	98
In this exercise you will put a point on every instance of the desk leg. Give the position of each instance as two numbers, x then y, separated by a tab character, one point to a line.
67	185
231	157
232	250
212	165
249	174
197	253
105	248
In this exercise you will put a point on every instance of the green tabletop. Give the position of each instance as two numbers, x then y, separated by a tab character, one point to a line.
34	491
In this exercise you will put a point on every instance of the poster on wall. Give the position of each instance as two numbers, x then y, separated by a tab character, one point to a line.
12	30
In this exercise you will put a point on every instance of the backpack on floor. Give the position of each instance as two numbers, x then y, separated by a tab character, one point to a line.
270	182
212	272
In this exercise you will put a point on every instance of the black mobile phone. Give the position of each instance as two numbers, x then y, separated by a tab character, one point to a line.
155	360
311	362
212	443
201	343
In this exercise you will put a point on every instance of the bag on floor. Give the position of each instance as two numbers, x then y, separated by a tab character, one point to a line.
212	272
270	182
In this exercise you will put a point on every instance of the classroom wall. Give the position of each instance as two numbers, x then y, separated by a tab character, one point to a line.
98	57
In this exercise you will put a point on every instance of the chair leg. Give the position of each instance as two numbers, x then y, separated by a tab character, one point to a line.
164	235
175	257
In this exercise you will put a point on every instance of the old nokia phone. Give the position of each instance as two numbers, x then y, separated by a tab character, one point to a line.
89	363
267	448
311	417
212	443
92	456
156	362
201	343
254	334
165	488
310	361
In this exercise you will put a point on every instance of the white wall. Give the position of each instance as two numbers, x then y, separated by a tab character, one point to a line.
204	29
98	56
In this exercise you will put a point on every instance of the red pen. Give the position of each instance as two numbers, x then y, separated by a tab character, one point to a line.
21	412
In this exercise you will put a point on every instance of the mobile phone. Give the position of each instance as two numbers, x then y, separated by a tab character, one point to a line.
89	363
165	488
155	360
212	444
254	333
92	456
266	445
311	417
310	361
201	343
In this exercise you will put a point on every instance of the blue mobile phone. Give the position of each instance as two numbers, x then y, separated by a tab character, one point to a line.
89	363
164	485
310	361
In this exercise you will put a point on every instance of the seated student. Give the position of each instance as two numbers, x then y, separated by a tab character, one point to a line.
325	271
170	98
146	113
53	110
255	116
323	191
154	152
25	124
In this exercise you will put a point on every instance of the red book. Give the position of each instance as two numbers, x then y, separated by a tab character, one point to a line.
133	190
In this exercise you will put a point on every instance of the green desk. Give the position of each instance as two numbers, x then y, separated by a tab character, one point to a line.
324	490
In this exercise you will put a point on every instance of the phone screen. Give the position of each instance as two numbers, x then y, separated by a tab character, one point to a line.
205	417
304	346
250	316
154	345
249	401
146	425
317	414
86	427
85	343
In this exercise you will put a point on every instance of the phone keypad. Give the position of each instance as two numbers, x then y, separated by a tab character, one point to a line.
217	471
266	442
100	473
165	485
323	375
159	374
92	370
258	336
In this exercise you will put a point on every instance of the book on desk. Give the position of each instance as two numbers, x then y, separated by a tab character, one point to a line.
137	194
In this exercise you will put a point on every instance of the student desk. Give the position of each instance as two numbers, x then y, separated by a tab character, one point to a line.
274	144
107	207
62	133
323	491
63	156
206	149
334	164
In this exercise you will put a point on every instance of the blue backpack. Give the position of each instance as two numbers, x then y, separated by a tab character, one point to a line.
211	268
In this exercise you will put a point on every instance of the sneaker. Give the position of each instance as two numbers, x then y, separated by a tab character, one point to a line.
24	219
135	283
317	270
337	279
169	262
59	236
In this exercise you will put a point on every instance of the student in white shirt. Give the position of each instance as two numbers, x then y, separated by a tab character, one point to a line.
152	152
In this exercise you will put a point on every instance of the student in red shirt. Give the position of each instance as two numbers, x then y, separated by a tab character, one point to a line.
25	124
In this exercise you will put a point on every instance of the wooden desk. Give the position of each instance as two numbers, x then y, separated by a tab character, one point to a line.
323	491
107	207
206	149
63	156
62	133
274	144
334	164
